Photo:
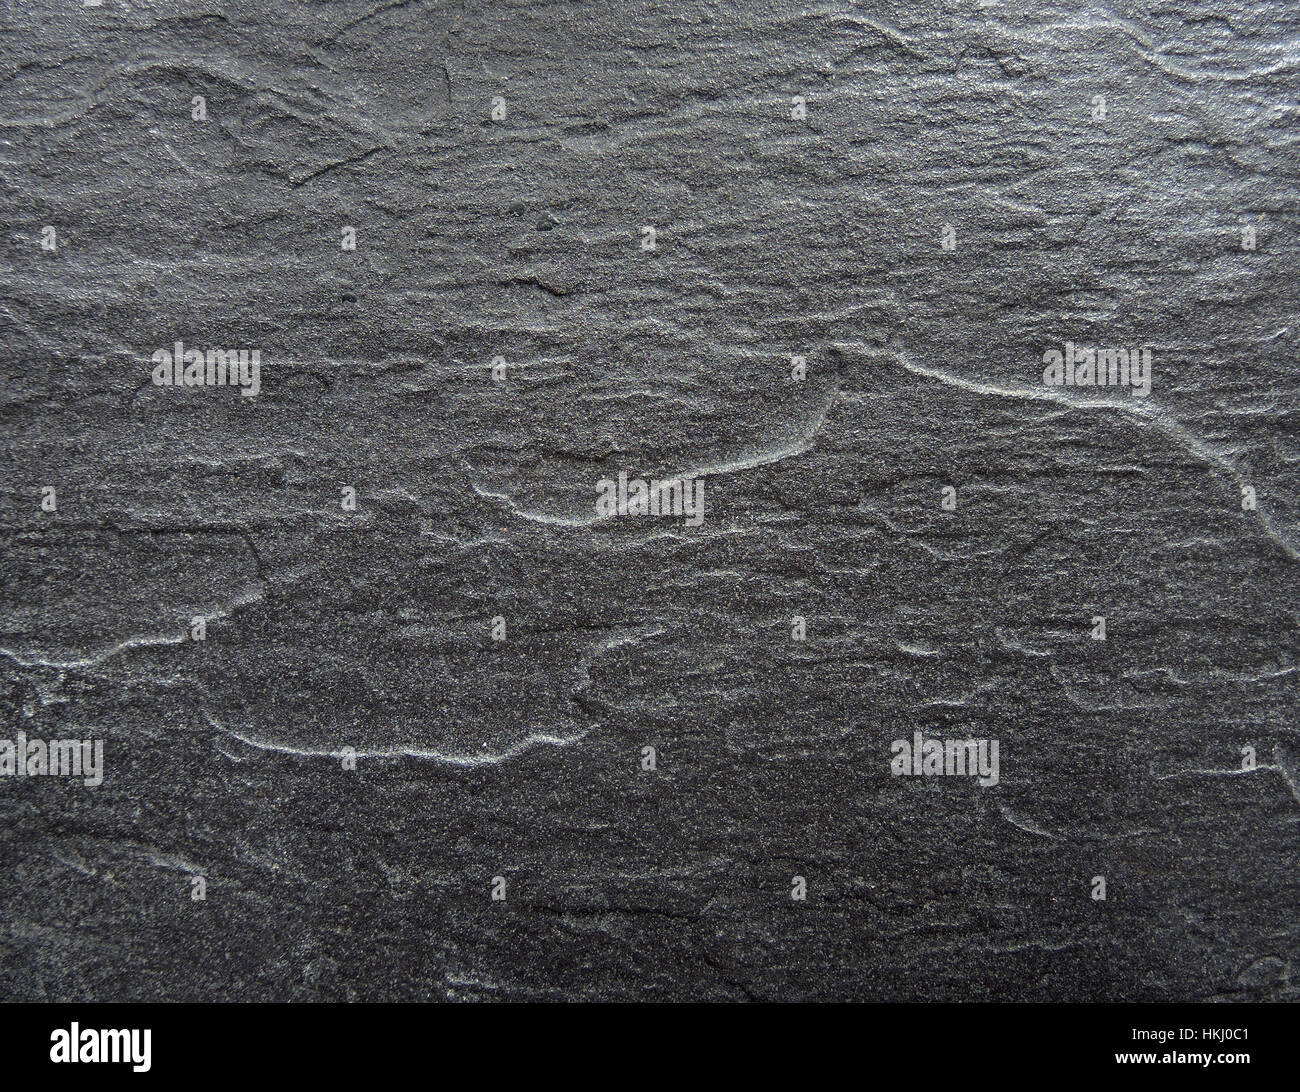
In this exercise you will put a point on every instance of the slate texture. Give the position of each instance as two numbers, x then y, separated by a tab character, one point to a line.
918	199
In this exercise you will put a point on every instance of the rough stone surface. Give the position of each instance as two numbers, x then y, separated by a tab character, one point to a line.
776	236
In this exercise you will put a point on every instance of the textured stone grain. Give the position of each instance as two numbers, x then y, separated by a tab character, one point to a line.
775	237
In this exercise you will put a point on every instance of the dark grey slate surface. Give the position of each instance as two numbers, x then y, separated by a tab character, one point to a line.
776	236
